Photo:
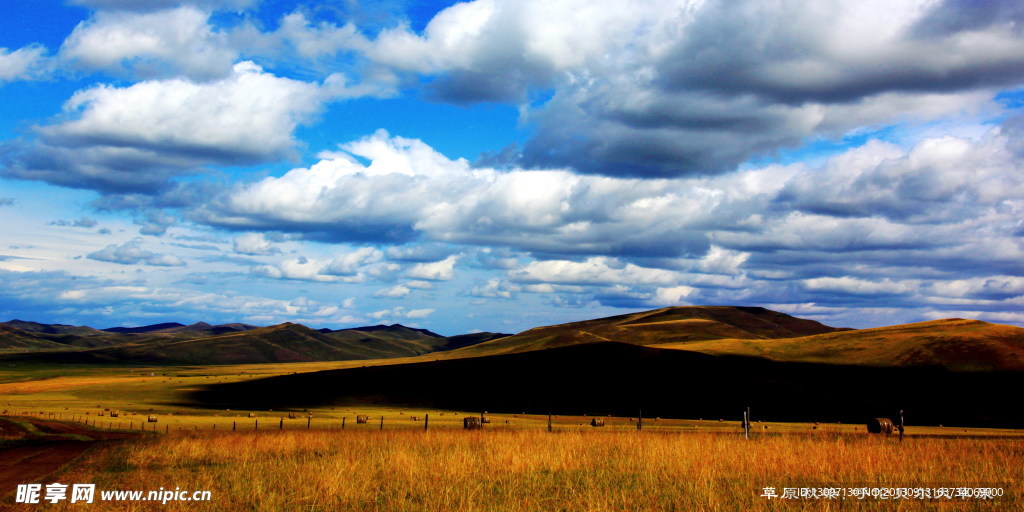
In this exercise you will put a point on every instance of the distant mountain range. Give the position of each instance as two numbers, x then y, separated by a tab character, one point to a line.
955	344
202	343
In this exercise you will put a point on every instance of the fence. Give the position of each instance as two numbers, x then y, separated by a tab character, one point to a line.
167	423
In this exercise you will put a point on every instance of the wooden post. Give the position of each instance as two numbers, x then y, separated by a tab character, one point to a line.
308	420
280	426
901	425
256	426
426	421
549	422
343	423
640	420
746	423
382	423
167	428
234	425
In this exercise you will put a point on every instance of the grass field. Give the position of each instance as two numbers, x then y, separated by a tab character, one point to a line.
514	464
532	470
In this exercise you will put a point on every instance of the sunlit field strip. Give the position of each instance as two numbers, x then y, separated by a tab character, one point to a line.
531	469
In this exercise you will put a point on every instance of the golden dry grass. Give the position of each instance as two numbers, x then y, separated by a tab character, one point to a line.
952	343
532	470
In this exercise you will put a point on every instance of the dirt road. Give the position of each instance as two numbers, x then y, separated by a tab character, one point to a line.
48	446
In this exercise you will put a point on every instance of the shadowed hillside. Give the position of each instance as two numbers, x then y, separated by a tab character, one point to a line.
620	379
668	325
955	344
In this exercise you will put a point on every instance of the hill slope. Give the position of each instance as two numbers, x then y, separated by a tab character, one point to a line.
955	344
52	328
394	340
667	325
282	343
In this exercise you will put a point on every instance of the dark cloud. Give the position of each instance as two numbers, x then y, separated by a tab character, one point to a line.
108	170
662	90
954	16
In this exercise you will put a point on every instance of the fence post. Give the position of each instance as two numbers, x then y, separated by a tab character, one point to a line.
280	426
256	426
167	428
234	425
308	420
382	423
746	423
640	420
343	423
549	422
426	421
901	425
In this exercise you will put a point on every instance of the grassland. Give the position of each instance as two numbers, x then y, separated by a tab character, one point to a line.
532	470
956	344
514	464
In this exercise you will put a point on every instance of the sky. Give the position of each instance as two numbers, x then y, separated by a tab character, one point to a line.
497	165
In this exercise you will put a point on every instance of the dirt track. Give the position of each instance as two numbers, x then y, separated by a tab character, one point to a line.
46	453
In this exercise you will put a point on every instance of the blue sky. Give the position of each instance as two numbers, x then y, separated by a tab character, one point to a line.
497	165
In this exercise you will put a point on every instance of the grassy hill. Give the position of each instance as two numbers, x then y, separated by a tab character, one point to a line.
392	340
27	336
955	344
282	343
37	327
667	325
225	344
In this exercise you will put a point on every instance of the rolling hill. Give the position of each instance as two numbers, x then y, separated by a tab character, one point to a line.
202	343
667	325
954	344
37	327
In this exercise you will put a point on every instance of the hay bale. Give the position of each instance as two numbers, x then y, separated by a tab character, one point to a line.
252	415
113	414
361	418
880	426
151	419
597	422
291	415
472	423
